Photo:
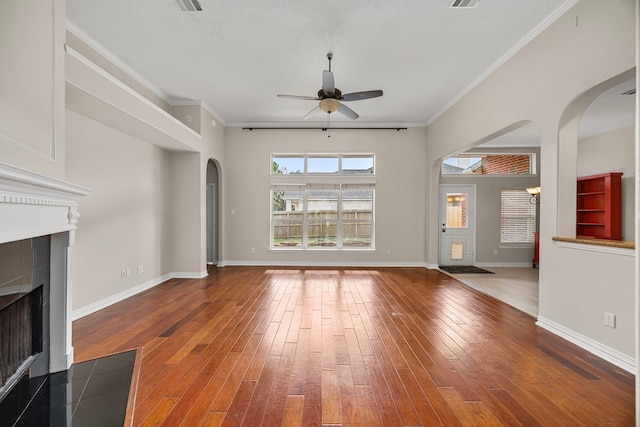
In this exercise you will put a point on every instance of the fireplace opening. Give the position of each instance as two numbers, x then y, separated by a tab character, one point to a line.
20	337
24	289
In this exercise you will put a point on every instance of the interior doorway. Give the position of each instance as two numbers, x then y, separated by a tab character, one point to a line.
212	194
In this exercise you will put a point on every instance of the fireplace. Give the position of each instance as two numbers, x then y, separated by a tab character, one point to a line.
38	216
24	296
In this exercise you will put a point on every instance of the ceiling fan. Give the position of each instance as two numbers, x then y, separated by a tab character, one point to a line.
331	98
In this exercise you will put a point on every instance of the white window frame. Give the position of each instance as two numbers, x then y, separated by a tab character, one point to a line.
314	181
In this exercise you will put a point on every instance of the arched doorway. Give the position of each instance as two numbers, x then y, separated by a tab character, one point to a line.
213	208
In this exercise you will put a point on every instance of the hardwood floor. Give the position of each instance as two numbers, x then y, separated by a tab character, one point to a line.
353	347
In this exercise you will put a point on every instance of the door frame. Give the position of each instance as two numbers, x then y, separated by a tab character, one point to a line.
472	189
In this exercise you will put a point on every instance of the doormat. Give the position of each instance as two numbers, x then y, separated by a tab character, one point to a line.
464	269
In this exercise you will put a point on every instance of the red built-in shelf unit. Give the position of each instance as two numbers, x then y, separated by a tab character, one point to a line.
599	206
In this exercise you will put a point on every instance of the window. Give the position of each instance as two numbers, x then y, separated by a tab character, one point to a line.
327	164
489	164
518	217
322	201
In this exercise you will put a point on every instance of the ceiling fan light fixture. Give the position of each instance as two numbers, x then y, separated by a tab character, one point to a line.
329	105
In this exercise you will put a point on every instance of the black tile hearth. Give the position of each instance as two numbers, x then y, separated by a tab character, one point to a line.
91	393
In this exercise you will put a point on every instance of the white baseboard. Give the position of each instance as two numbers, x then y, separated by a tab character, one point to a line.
317	264
121	296
189	275
609	354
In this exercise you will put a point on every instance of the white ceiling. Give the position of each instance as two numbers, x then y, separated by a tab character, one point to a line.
235	56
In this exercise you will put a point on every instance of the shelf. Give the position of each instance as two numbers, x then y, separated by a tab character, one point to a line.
593	193
598	206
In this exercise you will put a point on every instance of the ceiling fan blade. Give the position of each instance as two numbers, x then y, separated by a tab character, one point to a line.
348	112
328	83
308	98
311	113
355	96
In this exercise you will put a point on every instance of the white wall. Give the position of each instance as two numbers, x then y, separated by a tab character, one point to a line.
613	152
549	82
399	196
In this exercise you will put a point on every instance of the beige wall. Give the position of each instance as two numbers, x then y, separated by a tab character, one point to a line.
399	196
32	86
613	152
123	222
548	82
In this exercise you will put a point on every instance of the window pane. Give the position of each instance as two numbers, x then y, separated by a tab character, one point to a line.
457	210
357	165
495	164
518	222
357	217
322	165
322	217
287	165
287	229
287	215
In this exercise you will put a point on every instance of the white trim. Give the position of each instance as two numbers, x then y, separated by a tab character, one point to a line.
503	264
135	94
109	56
609	354
318	264
189	275
121	296
596	248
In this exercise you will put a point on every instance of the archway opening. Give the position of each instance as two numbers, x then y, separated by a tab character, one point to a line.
213	213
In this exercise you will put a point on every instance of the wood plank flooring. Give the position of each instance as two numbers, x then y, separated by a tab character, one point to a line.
251	346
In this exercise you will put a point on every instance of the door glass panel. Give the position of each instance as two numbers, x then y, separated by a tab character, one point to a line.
457	210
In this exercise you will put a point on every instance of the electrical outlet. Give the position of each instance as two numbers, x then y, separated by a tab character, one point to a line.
252	250
609	319
388	251
495	252
123	274
140	269
128	272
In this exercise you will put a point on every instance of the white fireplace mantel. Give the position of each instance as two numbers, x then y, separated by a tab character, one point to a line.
33	205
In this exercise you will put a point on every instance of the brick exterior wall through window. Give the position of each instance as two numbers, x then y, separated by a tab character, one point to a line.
506	164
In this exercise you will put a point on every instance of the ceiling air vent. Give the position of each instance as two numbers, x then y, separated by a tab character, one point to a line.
189	5
464	3
629	92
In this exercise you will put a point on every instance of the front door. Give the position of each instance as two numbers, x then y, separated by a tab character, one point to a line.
457	221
